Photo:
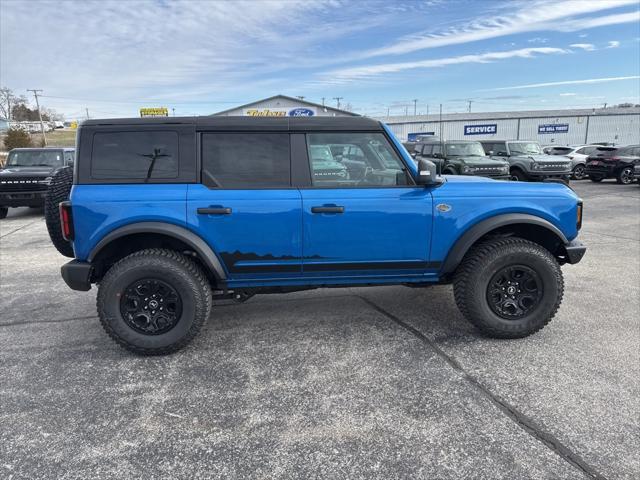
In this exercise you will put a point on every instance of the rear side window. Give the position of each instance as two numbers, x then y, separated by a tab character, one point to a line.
134	155
241	160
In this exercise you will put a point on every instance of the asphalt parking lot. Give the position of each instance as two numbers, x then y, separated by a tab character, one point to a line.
386	382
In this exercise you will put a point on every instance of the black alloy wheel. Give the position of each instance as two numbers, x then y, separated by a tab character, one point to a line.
579	172
625	176
151	306
514	291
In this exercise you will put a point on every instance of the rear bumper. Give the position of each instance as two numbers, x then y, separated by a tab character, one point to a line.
77	275
575	251
22	199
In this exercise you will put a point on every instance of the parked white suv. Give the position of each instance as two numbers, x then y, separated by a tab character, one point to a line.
578	155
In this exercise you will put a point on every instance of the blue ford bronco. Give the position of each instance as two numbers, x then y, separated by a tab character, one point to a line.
167	215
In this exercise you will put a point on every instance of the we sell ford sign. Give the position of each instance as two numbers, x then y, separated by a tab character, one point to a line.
489	129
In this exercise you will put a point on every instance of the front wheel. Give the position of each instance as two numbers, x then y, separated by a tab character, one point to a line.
625	176
508	287
518	176
154	301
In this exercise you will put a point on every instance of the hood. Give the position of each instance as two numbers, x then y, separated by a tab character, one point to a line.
481	161
27	171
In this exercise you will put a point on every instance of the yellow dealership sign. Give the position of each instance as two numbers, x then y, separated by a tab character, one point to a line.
154	112
264	112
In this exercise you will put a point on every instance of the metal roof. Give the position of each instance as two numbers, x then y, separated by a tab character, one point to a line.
286	97
250	123
506	115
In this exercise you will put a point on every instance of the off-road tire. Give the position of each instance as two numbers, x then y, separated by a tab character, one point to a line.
596	178
3	212
518	175
625	176
179	271
58	191
482	262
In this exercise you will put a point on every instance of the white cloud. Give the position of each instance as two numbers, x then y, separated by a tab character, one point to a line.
584	46
613	44
564	82
568	94
534	16
346	75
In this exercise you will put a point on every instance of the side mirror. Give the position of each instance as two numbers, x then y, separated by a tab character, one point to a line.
427	174
490	152
437	155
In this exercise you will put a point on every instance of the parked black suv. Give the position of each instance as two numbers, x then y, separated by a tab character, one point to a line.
25	177
461	157
613	162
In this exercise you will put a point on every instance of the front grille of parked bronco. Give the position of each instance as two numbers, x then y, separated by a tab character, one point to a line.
489	170
554	166
21	184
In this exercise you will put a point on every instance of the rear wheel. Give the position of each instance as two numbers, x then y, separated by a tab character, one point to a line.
625	176
58	191
579	172
3	212
154	302
509	287
596	178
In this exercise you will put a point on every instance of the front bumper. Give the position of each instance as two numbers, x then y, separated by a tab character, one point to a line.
77	275
22	199
575	251
541	174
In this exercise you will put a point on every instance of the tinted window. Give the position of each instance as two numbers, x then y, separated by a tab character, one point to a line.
135	155
33	158
560	150
247	160
363	159
437	148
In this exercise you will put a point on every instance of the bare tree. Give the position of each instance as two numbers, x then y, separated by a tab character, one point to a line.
8	100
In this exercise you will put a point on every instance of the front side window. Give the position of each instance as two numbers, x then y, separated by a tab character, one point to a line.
524	148
354	160
134	155
248	160
34	158
465	150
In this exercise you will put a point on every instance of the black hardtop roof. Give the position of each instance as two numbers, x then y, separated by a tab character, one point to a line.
449	141
248	123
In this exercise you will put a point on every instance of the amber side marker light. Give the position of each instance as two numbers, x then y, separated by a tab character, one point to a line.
579	216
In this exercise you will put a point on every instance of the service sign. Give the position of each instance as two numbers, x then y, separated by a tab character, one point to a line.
489	129
154	112
279	112
553	128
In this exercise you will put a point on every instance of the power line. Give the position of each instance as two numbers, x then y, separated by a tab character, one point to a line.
337	99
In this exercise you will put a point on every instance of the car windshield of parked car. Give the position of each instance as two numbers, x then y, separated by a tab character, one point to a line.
465	150
34	158
524	148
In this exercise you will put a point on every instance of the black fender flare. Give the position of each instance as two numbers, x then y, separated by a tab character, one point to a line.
472	234
200	246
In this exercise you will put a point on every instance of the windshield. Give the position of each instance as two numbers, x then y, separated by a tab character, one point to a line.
34	158
465	150
524	148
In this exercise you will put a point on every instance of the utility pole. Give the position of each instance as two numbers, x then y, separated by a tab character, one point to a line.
35	94
415	106
173	110
427	109
470	102
406	110
87	110
440	129
337	99
388	110
323	101
301	97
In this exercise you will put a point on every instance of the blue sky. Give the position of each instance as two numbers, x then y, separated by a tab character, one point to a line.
200	57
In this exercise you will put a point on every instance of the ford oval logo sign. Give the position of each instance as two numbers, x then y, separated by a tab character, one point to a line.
301	112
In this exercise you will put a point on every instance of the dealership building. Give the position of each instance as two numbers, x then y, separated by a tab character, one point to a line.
561	127
283	106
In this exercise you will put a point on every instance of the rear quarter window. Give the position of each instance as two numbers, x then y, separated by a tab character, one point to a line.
143	156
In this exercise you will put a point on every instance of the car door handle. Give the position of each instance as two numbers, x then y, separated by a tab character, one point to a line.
214	211
328	209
